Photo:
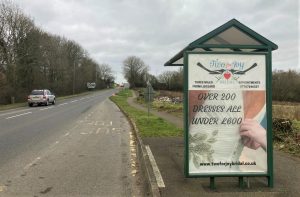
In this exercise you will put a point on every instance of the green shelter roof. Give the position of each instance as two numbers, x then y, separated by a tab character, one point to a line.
231	36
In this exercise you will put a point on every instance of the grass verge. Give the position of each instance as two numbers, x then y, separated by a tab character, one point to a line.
152	126
12	106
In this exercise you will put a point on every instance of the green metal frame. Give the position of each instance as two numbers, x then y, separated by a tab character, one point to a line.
266	44
268	79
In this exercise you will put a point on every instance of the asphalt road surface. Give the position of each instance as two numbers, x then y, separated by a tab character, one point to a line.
78	147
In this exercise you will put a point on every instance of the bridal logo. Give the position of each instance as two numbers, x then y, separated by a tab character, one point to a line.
225	71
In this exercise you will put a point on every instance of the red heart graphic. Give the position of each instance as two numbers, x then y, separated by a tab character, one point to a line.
227	75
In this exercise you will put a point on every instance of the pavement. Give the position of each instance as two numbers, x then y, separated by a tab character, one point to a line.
168	154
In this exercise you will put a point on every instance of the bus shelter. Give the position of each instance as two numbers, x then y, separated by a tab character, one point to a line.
228	104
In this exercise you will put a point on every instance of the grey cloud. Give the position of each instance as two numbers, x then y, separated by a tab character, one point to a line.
155	30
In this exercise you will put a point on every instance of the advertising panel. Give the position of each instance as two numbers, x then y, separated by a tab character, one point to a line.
227	123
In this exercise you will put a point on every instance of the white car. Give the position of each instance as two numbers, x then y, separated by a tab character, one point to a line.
41	97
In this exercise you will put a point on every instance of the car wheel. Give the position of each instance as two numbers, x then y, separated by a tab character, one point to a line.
30	104
53	103
47	103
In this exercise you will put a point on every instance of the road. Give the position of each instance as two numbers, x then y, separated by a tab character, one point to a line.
78	147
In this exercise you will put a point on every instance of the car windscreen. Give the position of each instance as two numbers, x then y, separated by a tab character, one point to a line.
37	92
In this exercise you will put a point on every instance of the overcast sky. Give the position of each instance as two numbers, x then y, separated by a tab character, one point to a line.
155	30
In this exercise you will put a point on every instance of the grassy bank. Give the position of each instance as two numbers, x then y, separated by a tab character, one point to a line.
151	126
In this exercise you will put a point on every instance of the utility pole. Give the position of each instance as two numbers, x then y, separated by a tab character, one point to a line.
74	78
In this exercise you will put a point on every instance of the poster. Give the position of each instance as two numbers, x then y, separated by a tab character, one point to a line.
227	114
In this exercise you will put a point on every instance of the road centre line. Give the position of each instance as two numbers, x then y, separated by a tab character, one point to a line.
18	115
63	104
66	134
31	163
159	179
74	101
46	108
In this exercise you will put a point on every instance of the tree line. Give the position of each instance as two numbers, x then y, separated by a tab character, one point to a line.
31	58
136	72
285	84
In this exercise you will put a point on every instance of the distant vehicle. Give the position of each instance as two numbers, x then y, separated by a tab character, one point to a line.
41	97
91	85
124	85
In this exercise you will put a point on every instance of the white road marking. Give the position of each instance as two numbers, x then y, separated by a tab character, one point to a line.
74	101
68	133
46	108
14	112
18	115
159	179
83	133
31	163
2	188
133	155
98	130
63	104
110	123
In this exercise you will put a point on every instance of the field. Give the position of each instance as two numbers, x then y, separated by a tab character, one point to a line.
286	110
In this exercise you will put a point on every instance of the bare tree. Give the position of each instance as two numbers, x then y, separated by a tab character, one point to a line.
31	58
166	78
135	71
14	28
105	75
172	79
